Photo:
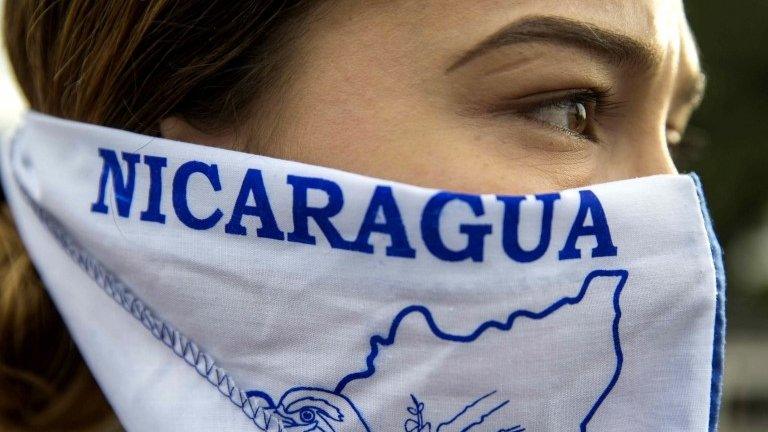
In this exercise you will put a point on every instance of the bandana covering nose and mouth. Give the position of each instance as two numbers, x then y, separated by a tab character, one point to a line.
215	290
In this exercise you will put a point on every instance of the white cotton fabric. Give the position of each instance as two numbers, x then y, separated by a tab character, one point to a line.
201	330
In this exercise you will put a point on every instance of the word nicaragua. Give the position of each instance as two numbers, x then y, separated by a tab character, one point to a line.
382	202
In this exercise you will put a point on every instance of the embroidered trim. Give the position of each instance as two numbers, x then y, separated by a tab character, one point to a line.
172	338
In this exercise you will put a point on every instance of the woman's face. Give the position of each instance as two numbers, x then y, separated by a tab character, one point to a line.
485	96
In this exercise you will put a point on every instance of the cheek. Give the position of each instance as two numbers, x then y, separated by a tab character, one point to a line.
430	149
346	136
403	137
390	127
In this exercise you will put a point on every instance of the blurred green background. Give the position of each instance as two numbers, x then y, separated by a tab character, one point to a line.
730	131
730	138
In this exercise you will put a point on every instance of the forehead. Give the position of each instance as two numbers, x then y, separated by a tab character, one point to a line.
424	37
650	21
425	30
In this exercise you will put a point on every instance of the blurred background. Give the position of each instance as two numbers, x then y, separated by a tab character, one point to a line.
731	133
729	137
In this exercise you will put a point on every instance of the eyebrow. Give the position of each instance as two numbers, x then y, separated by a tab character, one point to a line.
614	47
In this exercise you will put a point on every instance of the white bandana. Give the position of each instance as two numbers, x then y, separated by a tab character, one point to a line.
215	290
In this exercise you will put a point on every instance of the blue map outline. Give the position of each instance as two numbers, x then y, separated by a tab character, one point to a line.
377	341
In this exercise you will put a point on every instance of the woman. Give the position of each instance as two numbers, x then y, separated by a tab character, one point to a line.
508	98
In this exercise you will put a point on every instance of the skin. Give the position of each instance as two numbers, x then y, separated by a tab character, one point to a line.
372	90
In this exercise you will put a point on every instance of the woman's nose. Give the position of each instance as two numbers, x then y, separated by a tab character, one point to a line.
654	158
642	155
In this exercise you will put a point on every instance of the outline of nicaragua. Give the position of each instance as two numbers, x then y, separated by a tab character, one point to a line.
546	369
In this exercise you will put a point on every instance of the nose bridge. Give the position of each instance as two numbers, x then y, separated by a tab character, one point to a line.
648	150
644	153
652	155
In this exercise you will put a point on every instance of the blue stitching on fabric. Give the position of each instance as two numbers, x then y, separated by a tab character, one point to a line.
485	416
718	343
459	414
124	296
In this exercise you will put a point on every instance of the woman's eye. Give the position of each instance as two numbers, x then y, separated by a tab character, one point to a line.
576	113
307	415
572	116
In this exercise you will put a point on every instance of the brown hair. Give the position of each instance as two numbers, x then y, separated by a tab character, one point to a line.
126	64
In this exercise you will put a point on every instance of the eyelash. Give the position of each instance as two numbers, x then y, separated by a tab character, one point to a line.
600	104
597	102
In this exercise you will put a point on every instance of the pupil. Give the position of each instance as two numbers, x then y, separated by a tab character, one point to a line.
307	415
577	118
